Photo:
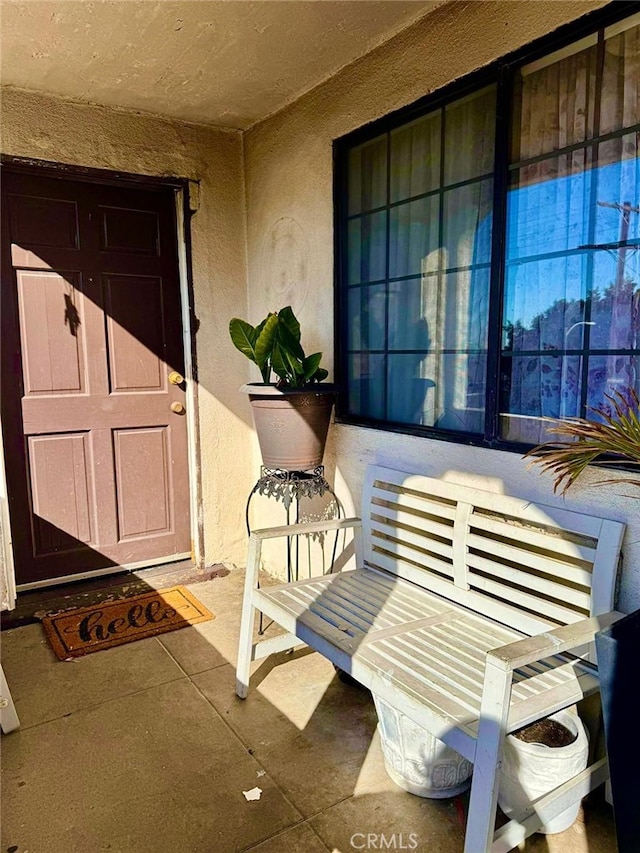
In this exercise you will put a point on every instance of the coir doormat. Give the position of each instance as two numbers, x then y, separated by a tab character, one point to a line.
90	629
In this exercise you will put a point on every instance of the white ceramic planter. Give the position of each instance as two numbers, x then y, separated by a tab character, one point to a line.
530	770
417	761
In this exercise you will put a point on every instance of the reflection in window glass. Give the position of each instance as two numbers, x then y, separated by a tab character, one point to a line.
549	204
469	136
571	278
415	158
367	317
417	344
544	304
536	387
559	266
413	241
367	385
615	301
368	248
368	176
609	373
620	79
409	303
554	102
466	238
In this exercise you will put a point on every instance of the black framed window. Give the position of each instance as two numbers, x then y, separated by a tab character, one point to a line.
488	252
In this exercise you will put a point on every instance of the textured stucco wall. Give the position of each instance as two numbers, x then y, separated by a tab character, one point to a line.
288	164
52	129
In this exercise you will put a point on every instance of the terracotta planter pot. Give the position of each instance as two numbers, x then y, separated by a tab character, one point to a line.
292	424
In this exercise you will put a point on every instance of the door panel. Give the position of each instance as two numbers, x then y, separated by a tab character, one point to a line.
44	221
96	458
142	481
130	230
63	505
53	352
135	333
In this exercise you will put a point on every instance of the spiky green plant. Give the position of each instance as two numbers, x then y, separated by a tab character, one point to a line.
616	437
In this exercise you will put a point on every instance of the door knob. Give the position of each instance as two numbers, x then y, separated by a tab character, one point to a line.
178	408
176	378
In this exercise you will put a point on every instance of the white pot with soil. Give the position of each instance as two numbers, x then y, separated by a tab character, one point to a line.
416	760
538	759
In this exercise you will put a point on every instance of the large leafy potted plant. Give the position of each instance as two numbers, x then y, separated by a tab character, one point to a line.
291	415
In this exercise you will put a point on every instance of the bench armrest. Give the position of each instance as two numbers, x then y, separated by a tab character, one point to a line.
301	529
562	639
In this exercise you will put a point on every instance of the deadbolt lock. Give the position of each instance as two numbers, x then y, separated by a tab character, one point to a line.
176	378
178	408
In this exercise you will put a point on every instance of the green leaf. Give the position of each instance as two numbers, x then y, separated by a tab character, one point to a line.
264	345
261	326
310	365
287	366
277	362
288	342
320	375
243	337
288	318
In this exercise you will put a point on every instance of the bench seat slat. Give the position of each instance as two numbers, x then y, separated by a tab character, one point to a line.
500	610
332	596
482	634
428	660
409	603
325	604
394	600
538	682
399	602
405	664
446	637
438	703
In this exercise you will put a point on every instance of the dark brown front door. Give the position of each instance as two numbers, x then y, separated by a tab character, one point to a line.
96	458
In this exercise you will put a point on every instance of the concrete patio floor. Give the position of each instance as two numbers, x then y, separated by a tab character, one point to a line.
145	749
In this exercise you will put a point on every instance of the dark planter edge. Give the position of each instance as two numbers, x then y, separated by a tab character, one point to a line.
260	389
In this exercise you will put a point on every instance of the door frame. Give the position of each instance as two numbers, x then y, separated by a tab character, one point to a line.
7	568
186	195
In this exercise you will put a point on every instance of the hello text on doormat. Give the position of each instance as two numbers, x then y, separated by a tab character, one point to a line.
91	629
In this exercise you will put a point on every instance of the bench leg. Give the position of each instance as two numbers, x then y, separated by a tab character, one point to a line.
494	714
245	647
8	717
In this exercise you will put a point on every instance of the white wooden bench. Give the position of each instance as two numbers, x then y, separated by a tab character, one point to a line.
460	614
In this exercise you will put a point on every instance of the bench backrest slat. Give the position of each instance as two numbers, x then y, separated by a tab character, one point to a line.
526	565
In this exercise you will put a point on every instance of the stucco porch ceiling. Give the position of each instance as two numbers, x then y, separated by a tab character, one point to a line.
220	62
